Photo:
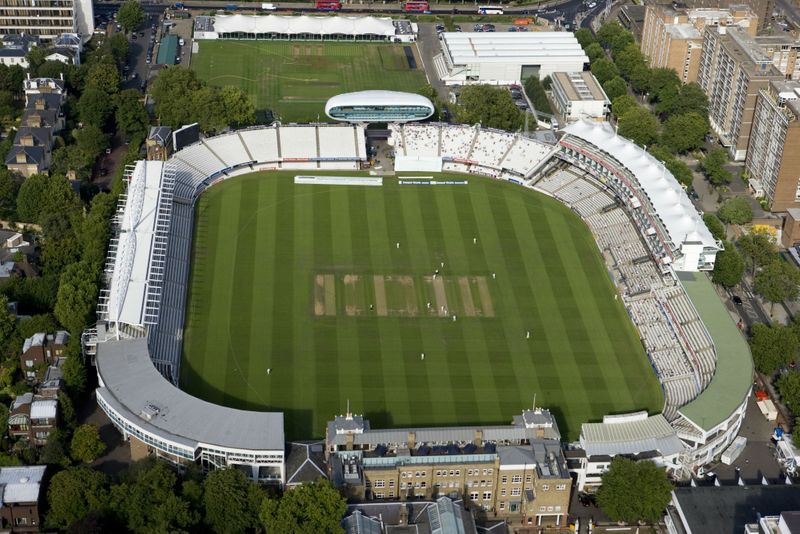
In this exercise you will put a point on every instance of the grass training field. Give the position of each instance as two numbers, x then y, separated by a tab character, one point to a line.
295	79
308	281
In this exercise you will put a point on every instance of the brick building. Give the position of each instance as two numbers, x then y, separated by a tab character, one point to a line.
32	418
41	351
21	497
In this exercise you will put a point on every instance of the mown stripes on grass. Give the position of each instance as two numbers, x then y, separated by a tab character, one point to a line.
260	239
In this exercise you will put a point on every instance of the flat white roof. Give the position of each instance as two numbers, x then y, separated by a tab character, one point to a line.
129	284
668	198
378	98
319	25
20	484
44	409
534	48
632	436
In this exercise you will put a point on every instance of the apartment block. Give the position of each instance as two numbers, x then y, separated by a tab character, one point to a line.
40	351
761	8
672	35
47	19
773	156
32	418
733	69
782	49
514	471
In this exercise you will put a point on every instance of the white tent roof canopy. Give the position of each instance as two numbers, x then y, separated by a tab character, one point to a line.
525	48
305	24
668	198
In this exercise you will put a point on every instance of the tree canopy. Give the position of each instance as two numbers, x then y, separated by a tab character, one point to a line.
789	387
227	504
715	226
685	132
736	210
622	104
639	125
77	294
777	281
130	15
86	444
728	267
773	346
604	69
73	493
758	249
615	87
713	167
634	491
307	509
492	107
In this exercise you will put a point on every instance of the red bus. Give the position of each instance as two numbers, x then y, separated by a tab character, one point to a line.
329	5
416	6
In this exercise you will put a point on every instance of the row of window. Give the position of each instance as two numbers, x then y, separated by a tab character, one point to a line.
516	479
487	495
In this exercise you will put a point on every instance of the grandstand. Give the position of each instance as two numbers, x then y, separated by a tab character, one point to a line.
652	250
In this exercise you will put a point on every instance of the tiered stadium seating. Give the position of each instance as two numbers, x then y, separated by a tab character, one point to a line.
490	147
524	155
457	140
421	140
201	158
262	144
229	149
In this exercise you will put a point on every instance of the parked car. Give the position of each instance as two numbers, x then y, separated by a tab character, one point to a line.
478	27
737	300
457	28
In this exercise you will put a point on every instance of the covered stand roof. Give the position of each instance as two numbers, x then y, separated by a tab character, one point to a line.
305	24
132	263
668	198
132	385
632	434
525	48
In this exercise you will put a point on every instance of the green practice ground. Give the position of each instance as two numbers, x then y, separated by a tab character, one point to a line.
307	280
295	79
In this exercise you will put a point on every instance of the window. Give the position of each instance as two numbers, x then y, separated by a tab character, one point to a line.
487	495
424	473
379	495
391	483
416	474
516	479
516	492
549	508
458	472
502	506
503	492
391	494
402	485
380	484
503	479
452	473
558	508
28	363
422	484
561	487
438	473
528	479
469	472
403	474
545	487
473	495
20	521
542	508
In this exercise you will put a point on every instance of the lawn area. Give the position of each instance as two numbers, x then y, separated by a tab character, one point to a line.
295	79
308	280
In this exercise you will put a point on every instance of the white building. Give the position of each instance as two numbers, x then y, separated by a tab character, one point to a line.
506	58
47	19
578	95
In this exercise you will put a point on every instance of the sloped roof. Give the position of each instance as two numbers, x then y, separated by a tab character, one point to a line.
305	24
21	484
668	198
630	437
33	154
44	409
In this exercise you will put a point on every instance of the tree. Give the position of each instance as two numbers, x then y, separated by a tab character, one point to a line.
585	37
308	509
28	198
772	346
536	92
604	70
691	99
594	52
8	323
608	32
615	87
664	84
77	294
73	493
789	388
130	15
91	141
639	77
629	59
623	103
639	125
490	106
777	281
54	452
172	92
620	42
634	491
10	183
36	57
226	502
685	132
86	444
95	107
131	117
713	167
757	249
148	500
74	373
715	226
104	76
728	267
238	107
736	210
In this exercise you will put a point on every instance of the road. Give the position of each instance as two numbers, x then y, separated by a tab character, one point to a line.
789	11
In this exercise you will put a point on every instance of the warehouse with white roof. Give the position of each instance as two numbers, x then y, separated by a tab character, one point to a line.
506	58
